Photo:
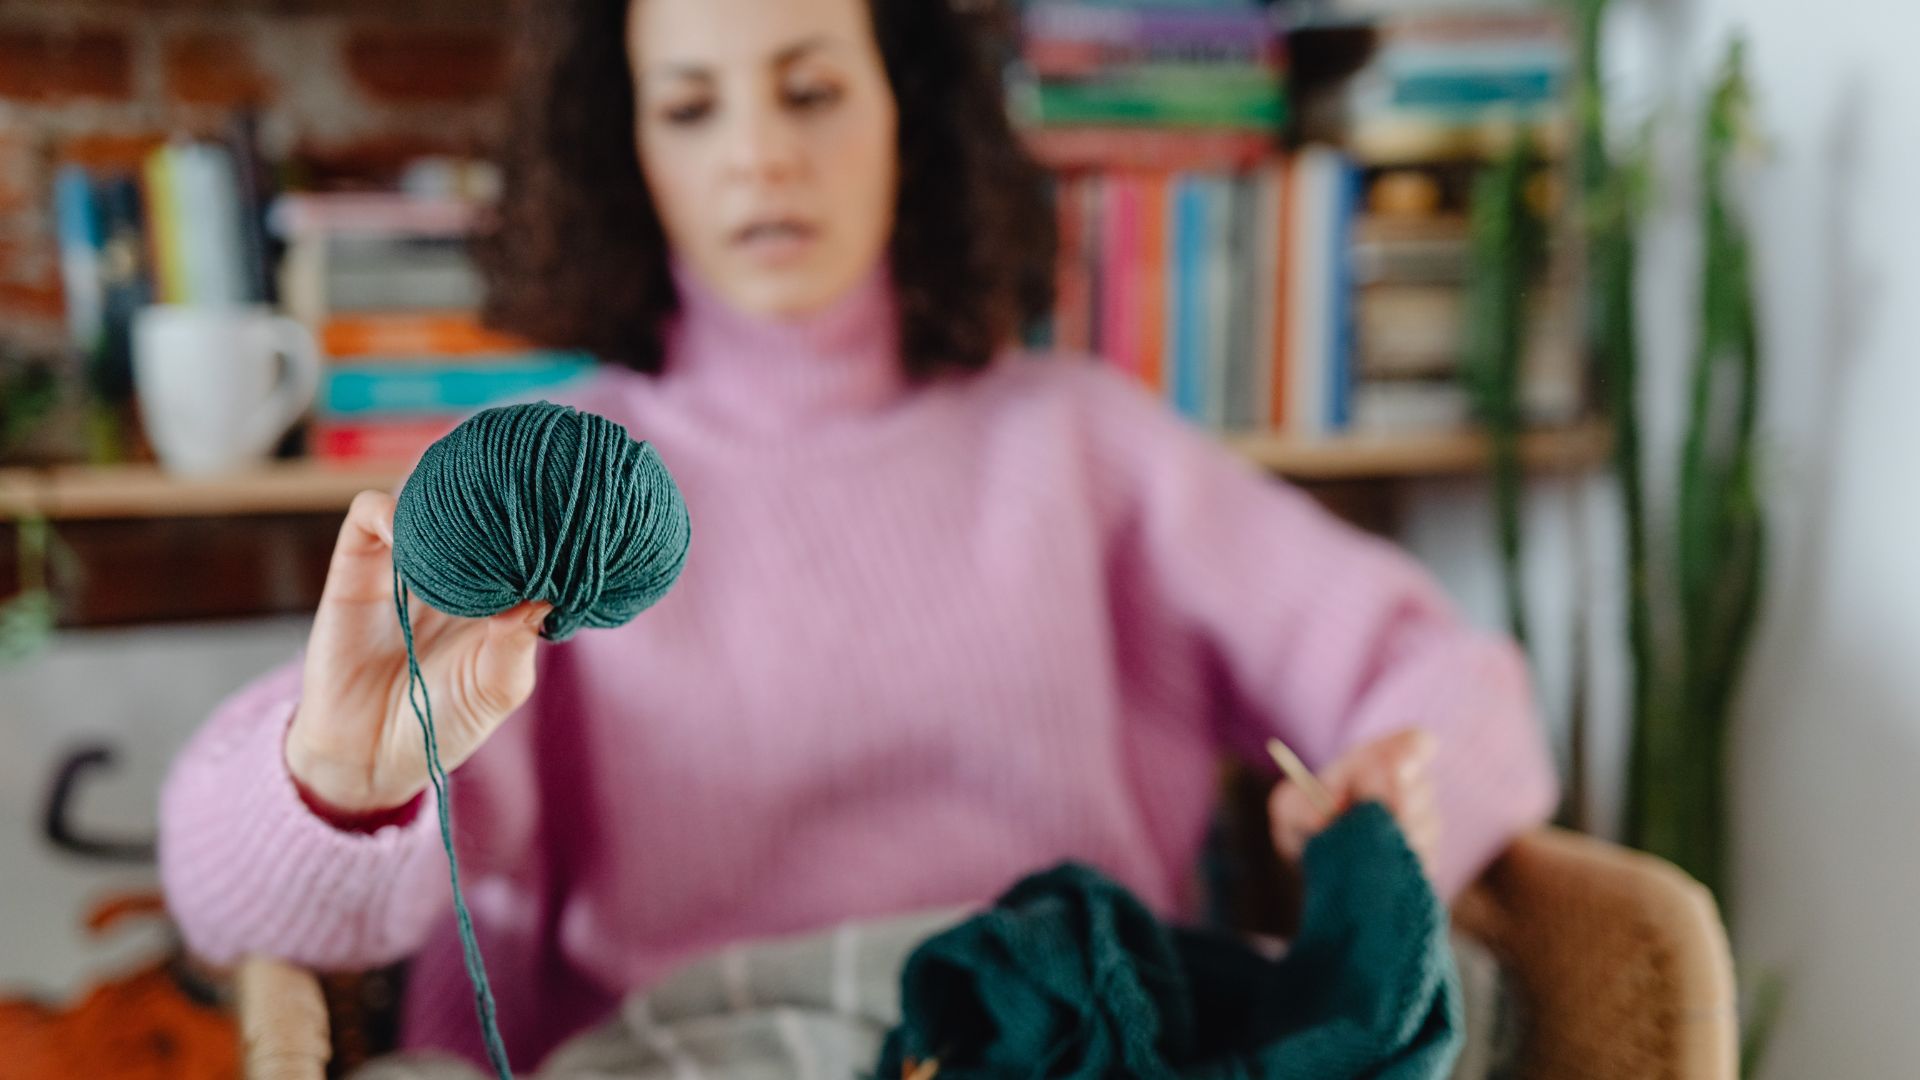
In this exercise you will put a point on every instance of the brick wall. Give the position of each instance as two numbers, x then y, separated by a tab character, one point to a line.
351	86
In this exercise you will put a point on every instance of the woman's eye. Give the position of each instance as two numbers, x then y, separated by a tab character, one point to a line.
691	112
813	97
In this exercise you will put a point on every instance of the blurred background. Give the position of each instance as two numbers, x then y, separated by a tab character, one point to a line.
1597	307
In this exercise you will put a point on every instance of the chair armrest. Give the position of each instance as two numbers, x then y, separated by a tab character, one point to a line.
1622	959
284	1033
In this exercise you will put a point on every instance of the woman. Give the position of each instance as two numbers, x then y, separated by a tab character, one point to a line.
952	614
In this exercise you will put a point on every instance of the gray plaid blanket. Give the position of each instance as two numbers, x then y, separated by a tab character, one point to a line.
817	1006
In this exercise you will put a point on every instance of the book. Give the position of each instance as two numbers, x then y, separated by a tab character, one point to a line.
1224	357
1346	180
400	441
125	284
1260	268
206	196
373	213
435	333
1411	330
1229	103
1150	276
80	233
1425	250
1067	58
1268	240
374	389
1188	312
1319	335
1073	300
255	188
161	213
329	273
1401	407
1119	305
1067	148
1223	26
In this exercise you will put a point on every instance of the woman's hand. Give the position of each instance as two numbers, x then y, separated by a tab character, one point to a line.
1393	771
355	745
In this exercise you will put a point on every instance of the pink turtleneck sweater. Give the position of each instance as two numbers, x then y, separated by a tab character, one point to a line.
929	638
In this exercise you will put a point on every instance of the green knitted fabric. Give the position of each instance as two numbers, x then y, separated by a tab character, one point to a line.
1069	976
529	502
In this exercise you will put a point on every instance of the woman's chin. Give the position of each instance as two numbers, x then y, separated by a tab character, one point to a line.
790	288
788	294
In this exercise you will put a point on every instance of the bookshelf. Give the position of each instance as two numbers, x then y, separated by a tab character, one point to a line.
73	493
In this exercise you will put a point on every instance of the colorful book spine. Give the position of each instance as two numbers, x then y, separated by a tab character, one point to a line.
1346	195
167	254
1072	287
1257	105
1189	316
388	389
1218	362
1308	299
1150	276
401	333
1225	27
80	232
1120	306
1266	241
1066	58
207	197
401	441
1148	149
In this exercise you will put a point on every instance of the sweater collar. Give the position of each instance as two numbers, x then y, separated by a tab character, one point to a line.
765	373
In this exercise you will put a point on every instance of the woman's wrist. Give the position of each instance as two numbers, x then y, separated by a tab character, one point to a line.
347	806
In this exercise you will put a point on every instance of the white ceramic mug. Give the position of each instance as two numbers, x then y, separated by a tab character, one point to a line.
219	385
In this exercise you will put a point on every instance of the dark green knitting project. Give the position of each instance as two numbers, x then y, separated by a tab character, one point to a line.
529	502
1069	976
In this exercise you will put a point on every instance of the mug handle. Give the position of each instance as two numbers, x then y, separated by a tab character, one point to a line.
297	387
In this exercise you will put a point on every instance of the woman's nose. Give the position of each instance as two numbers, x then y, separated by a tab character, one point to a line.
764	145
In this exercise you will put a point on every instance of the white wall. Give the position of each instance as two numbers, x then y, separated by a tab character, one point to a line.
142	691
1828	769
1827	746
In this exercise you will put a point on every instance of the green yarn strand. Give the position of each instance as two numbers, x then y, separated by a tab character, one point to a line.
529	502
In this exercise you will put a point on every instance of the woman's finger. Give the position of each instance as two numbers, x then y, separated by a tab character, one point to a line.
362	564
1294	819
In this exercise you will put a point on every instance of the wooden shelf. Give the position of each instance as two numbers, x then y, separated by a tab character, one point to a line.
1360	457
143	491
76	492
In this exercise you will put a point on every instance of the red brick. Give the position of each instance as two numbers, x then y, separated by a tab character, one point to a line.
214	69
108	151
42	65
427	65
16	173
34	295
376	159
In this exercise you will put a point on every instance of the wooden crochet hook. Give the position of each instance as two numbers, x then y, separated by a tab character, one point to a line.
1298	772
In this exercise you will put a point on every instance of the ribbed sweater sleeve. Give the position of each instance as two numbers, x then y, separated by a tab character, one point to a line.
247	866
1326	636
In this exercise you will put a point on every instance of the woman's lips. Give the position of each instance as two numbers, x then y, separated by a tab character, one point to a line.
776	242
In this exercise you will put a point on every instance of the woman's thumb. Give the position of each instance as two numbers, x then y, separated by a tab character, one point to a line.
505	663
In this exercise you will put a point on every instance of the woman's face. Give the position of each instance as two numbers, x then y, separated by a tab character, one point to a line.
766	133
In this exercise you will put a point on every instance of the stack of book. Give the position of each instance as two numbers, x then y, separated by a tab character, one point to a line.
1456	85
1194	255
185	228
388	285
1101	84
1441	96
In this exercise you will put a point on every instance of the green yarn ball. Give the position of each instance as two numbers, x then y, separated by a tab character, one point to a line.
541	502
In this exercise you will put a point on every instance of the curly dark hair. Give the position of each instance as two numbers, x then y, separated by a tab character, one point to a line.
579	259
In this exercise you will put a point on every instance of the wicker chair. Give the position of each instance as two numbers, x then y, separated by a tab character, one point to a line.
1620	957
